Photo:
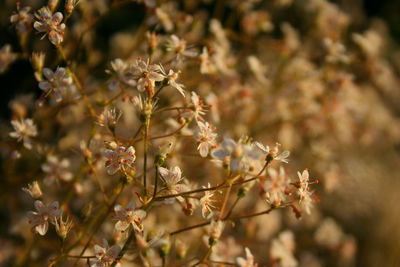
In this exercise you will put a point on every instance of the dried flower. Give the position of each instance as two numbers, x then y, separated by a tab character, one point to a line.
147	74
24	130
50	24
178	46
121	75
197	110
109	117
171	77
43	215
63	227
236	155
120	159
33	189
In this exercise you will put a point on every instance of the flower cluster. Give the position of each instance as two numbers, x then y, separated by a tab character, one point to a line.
168	138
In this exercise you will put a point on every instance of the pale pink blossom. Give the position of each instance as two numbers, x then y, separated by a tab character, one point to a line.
127	216
120	160
172	179
105	255
206	203
205	137
147	74
50	24
59	82
22	19
23	131
57	169
276	185
43	215
273	153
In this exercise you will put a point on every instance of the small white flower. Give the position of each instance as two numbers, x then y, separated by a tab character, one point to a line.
50	24
305	195
59	82
197	110
282	249
24	129
109	117
105	256
147	74
56	169
22	19
172	179
121	74
129	216
178	46
207	203
205	137
273	153
43	215
207	66
120	159
275	187
238	156
248	261
171	77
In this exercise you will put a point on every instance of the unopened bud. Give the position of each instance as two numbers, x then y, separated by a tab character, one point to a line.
152	40
52	4
181	249
216	229
69	6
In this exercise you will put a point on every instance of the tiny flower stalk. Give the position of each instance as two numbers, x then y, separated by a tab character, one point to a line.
147	118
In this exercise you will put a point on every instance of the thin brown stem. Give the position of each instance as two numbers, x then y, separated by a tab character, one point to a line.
225	219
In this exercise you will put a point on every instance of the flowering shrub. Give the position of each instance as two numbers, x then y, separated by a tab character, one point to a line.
176	153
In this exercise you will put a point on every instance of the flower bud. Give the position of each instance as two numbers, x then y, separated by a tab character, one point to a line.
181	249
52	4
215	232
69	6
